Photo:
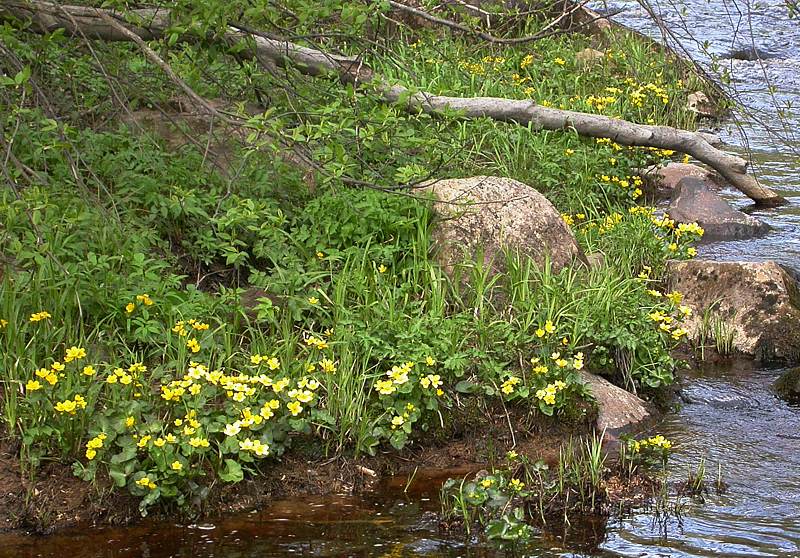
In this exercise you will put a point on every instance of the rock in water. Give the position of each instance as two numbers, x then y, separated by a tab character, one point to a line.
693	202
788	385
661	181
619	411
485	215
757	302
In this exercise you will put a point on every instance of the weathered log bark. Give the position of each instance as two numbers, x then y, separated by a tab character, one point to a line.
151	24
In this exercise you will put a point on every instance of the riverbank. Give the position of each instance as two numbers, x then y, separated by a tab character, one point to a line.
184	316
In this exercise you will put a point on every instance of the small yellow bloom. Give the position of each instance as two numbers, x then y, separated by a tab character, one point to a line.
130	307
33	385
382	268
327	365
313	300
89	370
39	316
176	466
295	408
193	345
130	421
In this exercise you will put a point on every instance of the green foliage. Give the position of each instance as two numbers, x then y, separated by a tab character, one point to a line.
133	242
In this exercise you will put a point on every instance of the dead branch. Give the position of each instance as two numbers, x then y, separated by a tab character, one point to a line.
46	17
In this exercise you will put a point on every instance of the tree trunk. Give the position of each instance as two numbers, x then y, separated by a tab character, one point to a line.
47	17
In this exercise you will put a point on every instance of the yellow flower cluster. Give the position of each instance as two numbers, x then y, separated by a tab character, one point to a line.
657	441
71	406
182	327
118	375
273	363
548	329
692	228
146	482
39	316
316	342
256	447
508	386
50	375
548	393
143	298
74	353
93	445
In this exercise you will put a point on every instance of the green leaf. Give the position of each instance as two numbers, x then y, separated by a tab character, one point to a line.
118	477
232	471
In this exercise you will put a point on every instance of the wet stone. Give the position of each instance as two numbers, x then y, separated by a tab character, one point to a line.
694	202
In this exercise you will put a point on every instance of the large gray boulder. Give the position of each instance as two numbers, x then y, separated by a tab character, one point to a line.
693	202
758	303
619	411
485	215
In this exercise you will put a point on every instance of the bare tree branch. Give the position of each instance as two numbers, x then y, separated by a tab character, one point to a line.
352	70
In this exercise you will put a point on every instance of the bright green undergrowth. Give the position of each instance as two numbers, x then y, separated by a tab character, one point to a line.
127	349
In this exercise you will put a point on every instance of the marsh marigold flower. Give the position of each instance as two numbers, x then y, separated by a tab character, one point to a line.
39	316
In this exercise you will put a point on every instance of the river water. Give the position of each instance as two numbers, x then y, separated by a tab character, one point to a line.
729	417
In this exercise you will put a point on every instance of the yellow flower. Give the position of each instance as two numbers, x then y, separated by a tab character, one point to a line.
675	297
3	323
198	443
57	366
233	429
430	361
130	421
176	466
273	363
130	307
540	332
145	482
327	365
294	407
385	387
320	255
39	316
313	300
193	345
516	485
144	299
382	268
560	61
397	421
549	327
256	359
33	385
159	442
691	252
90	454
89	370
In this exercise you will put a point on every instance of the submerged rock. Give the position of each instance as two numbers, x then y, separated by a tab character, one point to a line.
788	385
693	202
661	181
750	53
619	411
484	215
756	304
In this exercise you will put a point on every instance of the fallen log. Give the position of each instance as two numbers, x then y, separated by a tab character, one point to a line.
152	23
